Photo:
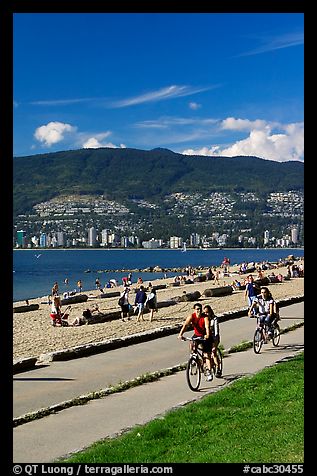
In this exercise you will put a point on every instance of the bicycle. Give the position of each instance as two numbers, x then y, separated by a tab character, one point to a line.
196	365
261	335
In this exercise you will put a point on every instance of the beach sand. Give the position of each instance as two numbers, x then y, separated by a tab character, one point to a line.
33	333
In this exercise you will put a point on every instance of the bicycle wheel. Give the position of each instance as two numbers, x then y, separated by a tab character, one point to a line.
257	341
219	369
193	373
276	335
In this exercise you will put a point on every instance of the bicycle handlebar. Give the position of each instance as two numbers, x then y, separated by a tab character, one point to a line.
193	339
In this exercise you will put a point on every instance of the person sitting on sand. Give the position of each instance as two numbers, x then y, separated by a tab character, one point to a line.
85	318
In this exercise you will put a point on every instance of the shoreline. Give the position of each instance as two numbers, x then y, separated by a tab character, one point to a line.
155	249
33	333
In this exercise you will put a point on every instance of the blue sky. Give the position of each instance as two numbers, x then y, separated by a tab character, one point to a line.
195	83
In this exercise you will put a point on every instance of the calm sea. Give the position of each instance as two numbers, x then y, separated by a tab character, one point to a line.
35	271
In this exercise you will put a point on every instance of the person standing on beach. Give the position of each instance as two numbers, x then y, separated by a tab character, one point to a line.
216	277
55	289
151	302
139	302
124	303
79	285
56	311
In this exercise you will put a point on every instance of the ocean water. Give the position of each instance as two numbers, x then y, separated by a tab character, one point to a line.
35	271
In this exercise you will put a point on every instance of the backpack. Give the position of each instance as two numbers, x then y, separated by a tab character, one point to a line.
121	301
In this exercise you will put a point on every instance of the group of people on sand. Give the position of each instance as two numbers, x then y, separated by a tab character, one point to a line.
141	301
260	302
60	319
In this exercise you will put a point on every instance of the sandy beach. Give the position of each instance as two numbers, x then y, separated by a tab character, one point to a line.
33	333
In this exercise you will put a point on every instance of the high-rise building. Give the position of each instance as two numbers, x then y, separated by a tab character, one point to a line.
104	237
60	238
21	238
176	242
92	236
43	240
294	235
266	238
194	239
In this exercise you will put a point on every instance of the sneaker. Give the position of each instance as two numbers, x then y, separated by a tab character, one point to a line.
218	374
209	378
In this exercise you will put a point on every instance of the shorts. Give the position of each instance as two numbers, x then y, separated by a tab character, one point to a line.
140	306
125	309
215	340
151	304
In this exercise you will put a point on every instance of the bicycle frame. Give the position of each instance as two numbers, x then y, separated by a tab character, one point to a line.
194	348
261	335
196	365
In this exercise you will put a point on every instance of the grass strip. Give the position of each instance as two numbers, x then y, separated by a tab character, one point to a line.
256	419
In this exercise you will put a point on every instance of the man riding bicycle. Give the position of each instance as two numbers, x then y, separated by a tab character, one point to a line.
267	309
201	325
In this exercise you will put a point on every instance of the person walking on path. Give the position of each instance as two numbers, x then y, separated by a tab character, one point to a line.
250	292
139	302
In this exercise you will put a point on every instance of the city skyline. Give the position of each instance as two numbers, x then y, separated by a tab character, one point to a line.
203	83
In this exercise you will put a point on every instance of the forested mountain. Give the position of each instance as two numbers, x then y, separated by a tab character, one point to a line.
122	174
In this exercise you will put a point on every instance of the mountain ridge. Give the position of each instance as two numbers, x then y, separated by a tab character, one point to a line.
128	173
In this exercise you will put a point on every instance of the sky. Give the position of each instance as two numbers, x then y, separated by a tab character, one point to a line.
196	83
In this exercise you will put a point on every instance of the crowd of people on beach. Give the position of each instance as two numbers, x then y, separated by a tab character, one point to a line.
248	278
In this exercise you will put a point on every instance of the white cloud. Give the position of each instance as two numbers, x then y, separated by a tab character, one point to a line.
167	122
62	102
194	106
93	143
160	95
242	124
276	43
52	132
270	141
96	141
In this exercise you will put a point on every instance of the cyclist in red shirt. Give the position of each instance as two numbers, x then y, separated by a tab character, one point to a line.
200	323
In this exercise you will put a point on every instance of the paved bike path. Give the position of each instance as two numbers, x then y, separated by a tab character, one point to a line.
50	438
62	381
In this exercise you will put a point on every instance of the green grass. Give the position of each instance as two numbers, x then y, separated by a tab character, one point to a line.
257	419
